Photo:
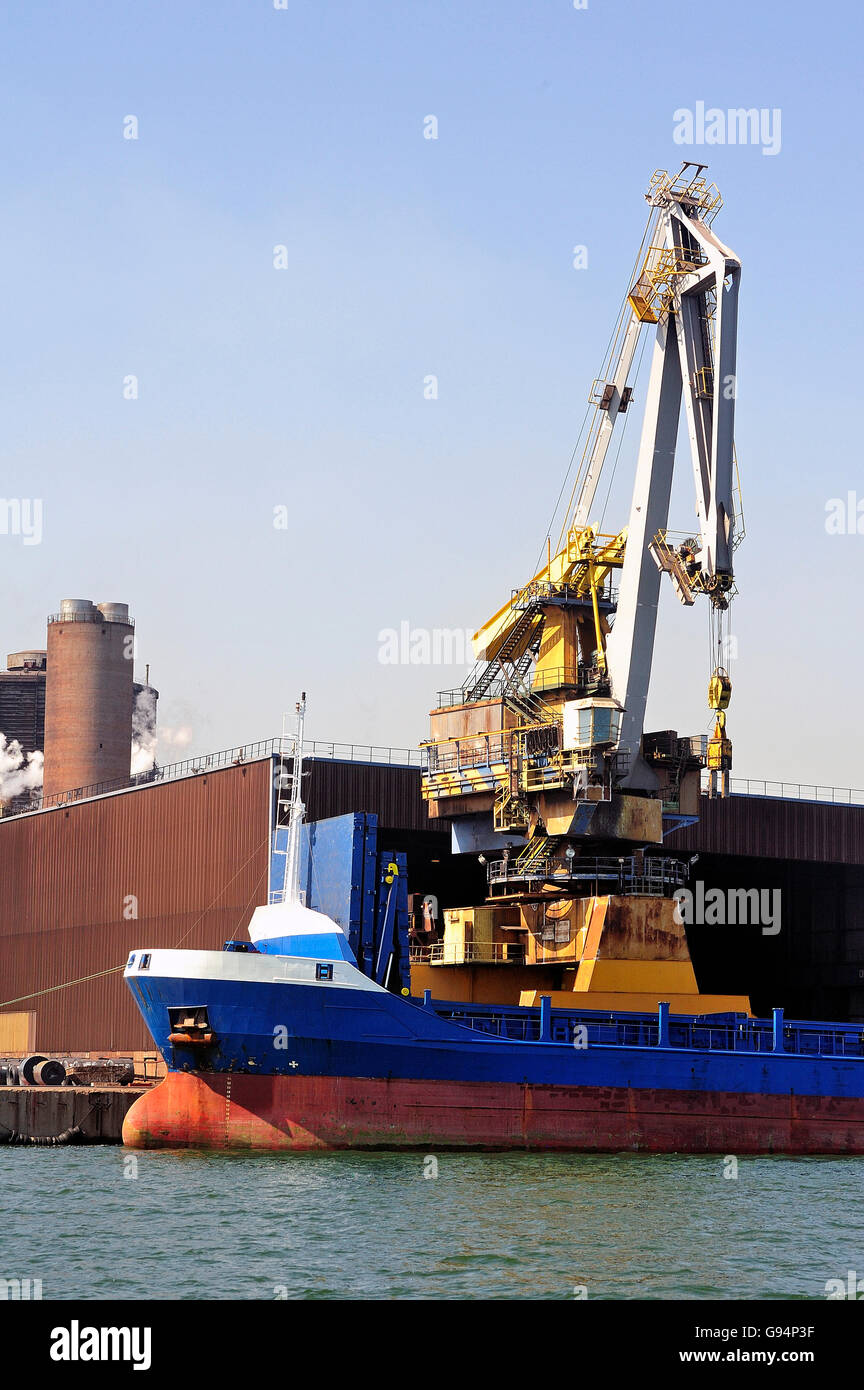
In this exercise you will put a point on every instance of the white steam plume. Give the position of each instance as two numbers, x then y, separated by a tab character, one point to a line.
147	740
144	738
180	737
19	771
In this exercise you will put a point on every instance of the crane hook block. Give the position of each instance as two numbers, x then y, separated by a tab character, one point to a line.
719	690
719	757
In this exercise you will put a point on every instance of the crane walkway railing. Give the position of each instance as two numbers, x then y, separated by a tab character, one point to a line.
584	679
469	953
656	874
792	791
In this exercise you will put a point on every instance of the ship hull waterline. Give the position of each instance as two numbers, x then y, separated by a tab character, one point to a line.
301	1113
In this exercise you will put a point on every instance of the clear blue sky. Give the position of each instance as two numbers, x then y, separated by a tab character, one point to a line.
407	257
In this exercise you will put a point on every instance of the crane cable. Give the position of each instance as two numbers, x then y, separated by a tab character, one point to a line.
607	354
719	640
621	436
621	321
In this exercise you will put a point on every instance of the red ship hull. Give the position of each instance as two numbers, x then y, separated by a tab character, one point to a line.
219	1111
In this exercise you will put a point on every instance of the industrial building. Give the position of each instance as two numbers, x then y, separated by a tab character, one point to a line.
22	700
88	695
81	688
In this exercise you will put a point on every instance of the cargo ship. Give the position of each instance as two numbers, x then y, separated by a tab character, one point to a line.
302	1051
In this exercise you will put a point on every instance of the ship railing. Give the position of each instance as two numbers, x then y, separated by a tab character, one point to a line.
721	1033
524	1026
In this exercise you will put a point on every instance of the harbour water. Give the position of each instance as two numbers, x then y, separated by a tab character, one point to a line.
100	1223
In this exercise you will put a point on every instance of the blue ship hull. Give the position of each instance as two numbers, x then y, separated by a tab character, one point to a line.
336	1059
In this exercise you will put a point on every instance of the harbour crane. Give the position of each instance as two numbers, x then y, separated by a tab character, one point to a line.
566	637
540	762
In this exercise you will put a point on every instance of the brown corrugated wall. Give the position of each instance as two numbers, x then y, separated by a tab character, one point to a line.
773	829
193	853
392	792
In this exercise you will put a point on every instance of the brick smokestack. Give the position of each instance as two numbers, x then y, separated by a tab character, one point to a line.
88	695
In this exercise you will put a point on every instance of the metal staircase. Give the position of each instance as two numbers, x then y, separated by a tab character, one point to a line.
517	652
536	850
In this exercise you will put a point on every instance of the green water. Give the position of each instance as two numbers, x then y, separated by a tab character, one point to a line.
371	1226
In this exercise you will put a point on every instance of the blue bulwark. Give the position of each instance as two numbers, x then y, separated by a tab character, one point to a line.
391	956
343	874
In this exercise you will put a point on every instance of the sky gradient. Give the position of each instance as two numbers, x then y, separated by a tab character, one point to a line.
302	387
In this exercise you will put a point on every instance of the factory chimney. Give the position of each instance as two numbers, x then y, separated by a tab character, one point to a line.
88	695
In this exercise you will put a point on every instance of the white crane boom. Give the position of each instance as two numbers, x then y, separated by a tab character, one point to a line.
689	287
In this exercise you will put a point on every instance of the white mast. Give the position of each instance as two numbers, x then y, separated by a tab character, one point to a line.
286	926
296	811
